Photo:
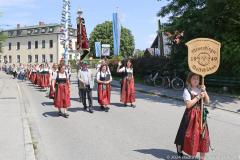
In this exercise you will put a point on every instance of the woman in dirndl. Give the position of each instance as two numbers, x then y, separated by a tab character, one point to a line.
45	77
61	87
52	72
39	75
33	74
191	138
128	94
104	79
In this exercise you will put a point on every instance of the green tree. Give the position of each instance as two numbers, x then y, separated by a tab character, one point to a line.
103	33
217	19
3	37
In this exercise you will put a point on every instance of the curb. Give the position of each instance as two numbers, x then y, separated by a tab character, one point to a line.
175	98
28	142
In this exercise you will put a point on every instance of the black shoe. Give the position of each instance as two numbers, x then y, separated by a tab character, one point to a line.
125	105
180	155
65	115
102	108
90	110
132	105
60	113
106	109
85	108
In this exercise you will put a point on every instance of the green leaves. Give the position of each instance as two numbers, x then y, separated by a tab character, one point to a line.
216	19
103	33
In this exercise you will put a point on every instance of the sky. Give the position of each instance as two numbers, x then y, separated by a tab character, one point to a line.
137	15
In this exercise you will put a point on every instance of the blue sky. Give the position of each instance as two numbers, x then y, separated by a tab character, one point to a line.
137	15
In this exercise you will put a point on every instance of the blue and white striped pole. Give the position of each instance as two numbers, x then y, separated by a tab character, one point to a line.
116	34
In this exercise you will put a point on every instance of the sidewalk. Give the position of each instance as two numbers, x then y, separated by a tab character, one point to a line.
11	135
15	137
217	101
222	102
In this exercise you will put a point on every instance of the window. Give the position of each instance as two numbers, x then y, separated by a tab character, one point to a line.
51	58
18	45
43	58
29	45
18	59
29	59
36	31
18	32
70	57
51	29
9	46
51	44
36	44
29	32
36	58
43	43
5	59
10	59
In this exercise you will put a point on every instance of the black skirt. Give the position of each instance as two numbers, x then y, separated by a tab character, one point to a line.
179	140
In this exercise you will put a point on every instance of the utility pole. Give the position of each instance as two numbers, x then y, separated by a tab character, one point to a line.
160	39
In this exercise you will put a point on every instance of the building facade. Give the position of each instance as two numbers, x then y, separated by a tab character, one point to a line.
36	44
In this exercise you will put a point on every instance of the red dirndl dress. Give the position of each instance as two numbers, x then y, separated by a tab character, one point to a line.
104	92
45	79
51	93
39	75
189	136
33	77
128	94
62	93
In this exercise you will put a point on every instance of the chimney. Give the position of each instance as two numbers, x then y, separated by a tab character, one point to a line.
41	23
18	25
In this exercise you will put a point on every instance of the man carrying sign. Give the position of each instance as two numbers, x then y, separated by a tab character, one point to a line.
193	133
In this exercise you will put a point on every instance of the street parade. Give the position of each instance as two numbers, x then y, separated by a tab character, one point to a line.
120	81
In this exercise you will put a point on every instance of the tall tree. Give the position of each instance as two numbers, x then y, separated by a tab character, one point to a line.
103	33
3	37
217	19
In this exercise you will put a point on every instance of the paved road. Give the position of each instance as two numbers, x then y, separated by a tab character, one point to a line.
144	133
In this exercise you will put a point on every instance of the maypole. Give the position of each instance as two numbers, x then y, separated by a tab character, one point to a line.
66	24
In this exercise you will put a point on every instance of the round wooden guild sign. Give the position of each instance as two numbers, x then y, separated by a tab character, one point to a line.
203	56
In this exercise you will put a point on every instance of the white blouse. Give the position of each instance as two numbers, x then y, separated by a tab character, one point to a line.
129	70
187	95
101	74
60	75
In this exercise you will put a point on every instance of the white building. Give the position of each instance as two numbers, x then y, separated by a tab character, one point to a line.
36	44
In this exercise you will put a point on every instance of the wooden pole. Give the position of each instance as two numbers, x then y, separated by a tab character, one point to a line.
202	106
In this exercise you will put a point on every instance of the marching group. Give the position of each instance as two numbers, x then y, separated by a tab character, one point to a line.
192	137
57	79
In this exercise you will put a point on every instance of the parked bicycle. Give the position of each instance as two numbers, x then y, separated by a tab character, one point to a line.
176	82
154	79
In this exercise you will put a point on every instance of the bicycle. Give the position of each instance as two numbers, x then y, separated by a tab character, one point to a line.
176	82
154	79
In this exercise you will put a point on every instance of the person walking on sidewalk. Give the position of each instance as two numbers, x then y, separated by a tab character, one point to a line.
61	87
104	79
128	94
190	138
86	83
